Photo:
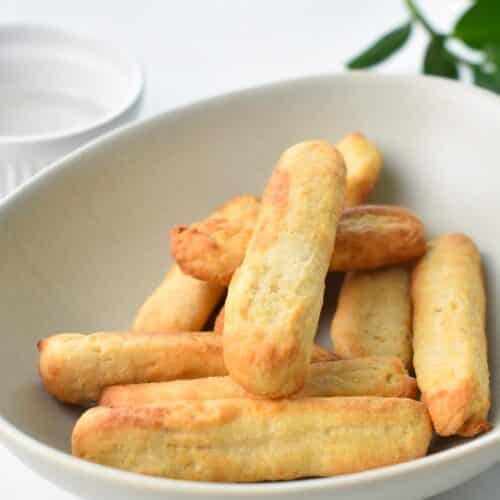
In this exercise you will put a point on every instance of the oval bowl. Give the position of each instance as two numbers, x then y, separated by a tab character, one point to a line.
83	243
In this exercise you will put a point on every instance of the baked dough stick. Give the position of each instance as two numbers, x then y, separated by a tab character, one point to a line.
275	296
449	336
374	376
219	321
363	162
375	236
212	249
180	304
368	237
373	316
243	440
75	368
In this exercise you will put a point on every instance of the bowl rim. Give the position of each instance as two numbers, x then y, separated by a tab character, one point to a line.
17	439
134	91
10	435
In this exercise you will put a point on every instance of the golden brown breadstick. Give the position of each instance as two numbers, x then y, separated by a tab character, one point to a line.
212	249
372	376
319	354
180	304
75	368
449	336
275	297
373	316
375	236
219	321
243	440
363	163
230	227
368	237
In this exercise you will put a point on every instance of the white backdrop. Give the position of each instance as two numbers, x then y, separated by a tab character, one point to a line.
196	48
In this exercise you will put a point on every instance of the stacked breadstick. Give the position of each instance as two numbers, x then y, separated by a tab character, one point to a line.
256	399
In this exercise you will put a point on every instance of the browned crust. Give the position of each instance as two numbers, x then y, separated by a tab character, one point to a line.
75	368
219	322
194	414
474	426
274	300
375	376
320	353
450	318
368	237
449	410
210	250
364	163
409	388
233	439
375	236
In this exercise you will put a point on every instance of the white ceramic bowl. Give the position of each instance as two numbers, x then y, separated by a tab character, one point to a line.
84	243
59	90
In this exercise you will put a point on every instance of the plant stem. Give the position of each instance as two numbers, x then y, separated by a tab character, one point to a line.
418	17
461	60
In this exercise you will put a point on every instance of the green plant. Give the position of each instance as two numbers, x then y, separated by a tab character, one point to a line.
478	28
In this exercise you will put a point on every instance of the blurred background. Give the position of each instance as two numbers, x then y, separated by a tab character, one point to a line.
195	48
191	49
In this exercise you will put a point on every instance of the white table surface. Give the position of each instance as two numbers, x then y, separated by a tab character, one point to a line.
196	48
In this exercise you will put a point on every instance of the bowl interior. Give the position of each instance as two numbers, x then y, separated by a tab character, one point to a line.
55	83
85	243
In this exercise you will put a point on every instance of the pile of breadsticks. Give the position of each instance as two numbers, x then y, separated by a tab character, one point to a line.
256	399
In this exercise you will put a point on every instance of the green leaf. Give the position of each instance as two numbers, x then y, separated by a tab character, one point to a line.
382	48
438	60
492	53
480	25
490	81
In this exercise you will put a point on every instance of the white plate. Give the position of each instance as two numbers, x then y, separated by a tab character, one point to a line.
85	242
59	90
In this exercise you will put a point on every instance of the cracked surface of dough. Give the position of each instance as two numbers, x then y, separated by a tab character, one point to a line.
75	368
180	303
275	297
242	440
449	336
374	315
371	376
